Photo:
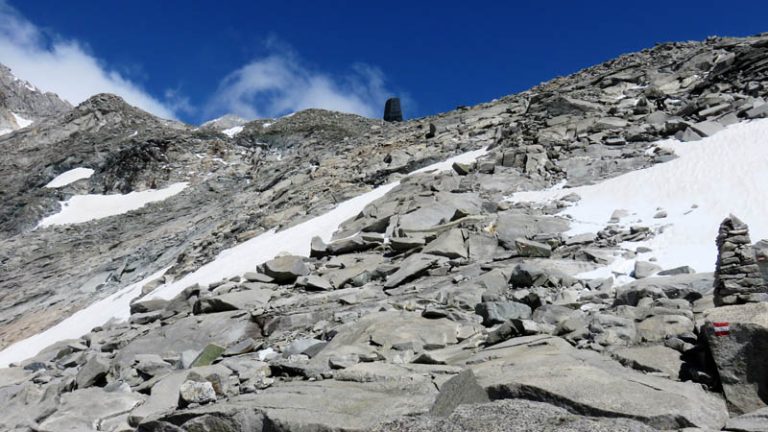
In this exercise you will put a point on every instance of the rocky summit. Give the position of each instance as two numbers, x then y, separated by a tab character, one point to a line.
328	272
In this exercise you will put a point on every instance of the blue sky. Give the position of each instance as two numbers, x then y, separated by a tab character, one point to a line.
195	60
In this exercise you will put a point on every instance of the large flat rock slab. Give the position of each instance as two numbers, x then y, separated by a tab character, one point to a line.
385	331
512	415
548	369
85	410
192	333
320	406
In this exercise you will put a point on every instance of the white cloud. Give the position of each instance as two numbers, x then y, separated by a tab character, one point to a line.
280	84
63	66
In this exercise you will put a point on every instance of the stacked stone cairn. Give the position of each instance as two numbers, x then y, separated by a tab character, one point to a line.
737	276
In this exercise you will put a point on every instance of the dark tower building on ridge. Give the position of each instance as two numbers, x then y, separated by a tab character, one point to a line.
392	111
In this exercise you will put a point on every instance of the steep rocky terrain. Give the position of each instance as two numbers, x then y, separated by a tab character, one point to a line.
21	104
441	305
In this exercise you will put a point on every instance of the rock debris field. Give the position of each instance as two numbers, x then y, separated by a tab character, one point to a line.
586	255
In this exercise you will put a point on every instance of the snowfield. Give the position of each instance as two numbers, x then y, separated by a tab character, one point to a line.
712	178
21	121
295	240
70	177
84	208
235	261
231	132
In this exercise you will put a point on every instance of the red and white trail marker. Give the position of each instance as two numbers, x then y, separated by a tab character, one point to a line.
721	328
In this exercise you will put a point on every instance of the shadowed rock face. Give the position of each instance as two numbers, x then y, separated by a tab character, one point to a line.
440	297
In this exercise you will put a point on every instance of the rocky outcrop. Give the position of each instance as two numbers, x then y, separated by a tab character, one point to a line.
22	104
738	340
738	278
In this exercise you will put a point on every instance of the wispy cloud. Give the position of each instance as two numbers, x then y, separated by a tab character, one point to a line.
270	86
281	83
64	67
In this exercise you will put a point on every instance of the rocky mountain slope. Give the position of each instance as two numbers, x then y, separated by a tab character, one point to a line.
21	103
441	305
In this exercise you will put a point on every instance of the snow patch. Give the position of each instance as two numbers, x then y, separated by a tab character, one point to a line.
234	261
231	132
115	306
21	121
295	240
69	177
84	208
711	178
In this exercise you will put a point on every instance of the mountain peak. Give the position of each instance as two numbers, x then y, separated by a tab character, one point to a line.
21	103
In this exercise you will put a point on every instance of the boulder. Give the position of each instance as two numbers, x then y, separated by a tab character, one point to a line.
314	283
684	286
240	300
651	358
150	305
511	226
164	397
738	340
285	269
196	392
410	268
426	217
242	347
304	346
461	389
92	372
210	353
400	244
349	245
318	248
707	128
449	244
645	269
499	312
660	327
530	248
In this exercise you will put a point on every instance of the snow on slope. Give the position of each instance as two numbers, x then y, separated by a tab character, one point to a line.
69	177
295	240
84	208
115	306
21	121
234	261
722	174
231	132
